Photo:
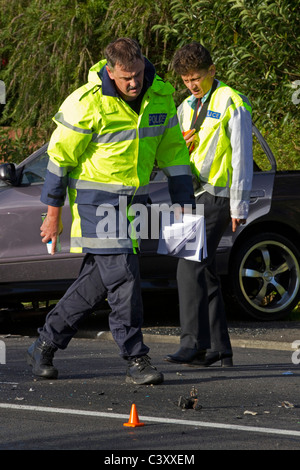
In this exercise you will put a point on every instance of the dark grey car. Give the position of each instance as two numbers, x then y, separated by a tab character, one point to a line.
259	264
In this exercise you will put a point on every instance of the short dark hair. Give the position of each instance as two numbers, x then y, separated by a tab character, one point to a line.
123	51
191	57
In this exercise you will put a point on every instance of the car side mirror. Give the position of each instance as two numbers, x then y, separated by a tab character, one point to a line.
8	173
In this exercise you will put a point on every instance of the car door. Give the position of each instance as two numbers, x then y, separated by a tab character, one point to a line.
23	257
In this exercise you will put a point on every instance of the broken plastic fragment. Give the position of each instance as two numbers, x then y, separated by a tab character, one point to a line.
287	404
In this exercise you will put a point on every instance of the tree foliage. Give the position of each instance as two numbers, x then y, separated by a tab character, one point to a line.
255	44
51	44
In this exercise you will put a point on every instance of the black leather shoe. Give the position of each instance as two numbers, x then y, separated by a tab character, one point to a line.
40	356
212	357
140	371
185	355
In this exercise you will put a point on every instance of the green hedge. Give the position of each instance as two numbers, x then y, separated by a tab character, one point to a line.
50	45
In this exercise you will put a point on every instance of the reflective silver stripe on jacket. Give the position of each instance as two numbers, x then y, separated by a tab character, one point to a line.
246	100
108	187
59	117
178	170
118	136
209	157
155	131
98	243
59	171
131	134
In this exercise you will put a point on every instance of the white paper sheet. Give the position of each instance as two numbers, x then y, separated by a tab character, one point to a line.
184	238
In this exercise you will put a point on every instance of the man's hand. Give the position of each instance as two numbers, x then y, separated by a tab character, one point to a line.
189	137
52	227
236	223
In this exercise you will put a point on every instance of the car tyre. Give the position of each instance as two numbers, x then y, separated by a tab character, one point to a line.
265	276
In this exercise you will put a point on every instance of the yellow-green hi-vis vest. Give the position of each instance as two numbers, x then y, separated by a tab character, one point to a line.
211	159
102	150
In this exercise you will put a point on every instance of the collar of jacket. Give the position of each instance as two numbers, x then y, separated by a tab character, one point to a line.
108	87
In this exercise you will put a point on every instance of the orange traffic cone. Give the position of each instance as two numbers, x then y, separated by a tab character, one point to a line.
133	418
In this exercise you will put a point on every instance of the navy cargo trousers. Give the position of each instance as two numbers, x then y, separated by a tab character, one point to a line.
115	277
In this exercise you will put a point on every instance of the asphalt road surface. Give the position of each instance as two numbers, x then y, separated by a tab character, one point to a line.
254	405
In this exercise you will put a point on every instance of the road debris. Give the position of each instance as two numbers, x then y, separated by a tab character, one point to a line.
247	412
286	404
190	402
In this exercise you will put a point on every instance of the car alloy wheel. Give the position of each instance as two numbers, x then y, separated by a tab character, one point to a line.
266	276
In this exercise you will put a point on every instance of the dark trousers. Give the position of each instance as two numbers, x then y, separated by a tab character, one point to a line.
202	313
115	277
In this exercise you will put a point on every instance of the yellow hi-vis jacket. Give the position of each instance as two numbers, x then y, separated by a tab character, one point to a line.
222	158
102	150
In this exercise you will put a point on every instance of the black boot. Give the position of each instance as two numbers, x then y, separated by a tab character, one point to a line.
140	371
211	357
185	355
40	356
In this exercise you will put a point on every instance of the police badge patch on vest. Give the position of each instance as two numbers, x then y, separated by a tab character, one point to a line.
213	114
157	119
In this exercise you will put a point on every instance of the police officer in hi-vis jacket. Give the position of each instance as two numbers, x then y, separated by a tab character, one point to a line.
109	133
217	126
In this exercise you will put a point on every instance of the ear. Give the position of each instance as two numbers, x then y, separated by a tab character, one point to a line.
212	70
110	73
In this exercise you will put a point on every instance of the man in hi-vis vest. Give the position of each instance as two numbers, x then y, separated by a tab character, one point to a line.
109	134
216	123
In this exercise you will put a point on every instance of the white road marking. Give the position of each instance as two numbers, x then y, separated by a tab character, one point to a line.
183	422
10	383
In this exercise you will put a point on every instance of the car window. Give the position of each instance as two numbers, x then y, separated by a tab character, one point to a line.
35	170
260	157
